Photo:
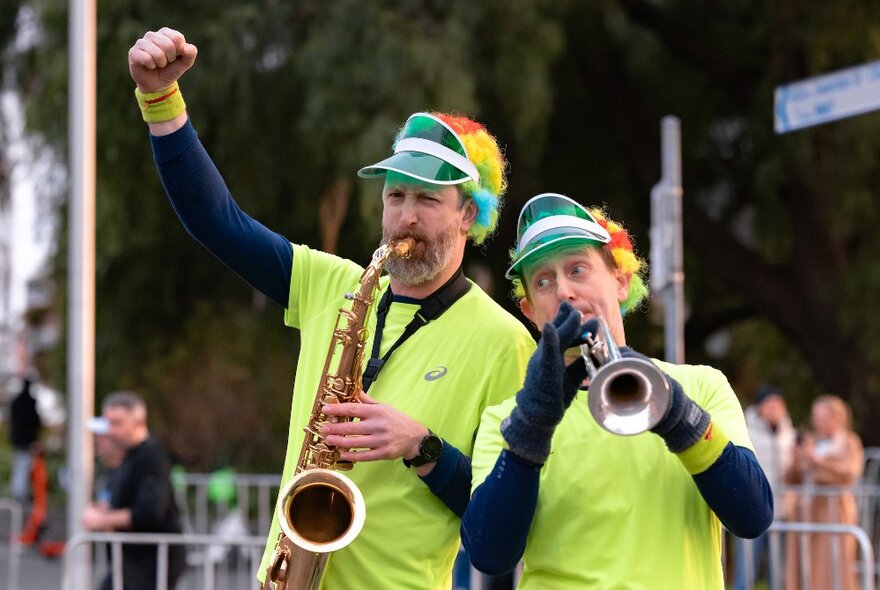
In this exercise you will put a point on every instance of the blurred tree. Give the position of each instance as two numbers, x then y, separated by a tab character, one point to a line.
290	98
779	228
8	11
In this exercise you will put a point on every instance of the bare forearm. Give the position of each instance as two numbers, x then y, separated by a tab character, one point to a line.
118	520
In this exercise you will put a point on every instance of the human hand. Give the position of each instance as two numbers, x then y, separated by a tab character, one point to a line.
158	59
548	389
381	431
684	422
93	518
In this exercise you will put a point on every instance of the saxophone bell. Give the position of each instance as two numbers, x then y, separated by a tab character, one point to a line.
321	510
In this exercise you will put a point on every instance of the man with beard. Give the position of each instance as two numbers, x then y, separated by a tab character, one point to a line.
431	372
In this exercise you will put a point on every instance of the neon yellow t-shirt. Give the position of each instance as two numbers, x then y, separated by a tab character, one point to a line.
620	512
444	376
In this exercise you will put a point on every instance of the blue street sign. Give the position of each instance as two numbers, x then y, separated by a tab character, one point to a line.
833	96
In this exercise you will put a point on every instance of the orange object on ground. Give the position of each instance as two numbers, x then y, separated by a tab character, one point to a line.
40	487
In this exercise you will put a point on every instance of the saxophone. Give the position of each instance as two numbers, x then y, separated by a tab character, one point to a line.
321	510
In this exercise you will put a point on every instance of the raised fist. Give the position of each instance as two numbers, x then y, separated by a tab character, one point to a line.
158	59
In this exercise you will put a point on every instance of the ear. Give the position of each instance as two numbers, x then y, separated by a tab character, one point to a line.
528	310
623	279
468	214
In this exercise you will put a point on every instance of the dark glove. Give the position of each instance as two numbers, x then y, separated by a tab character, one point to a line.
548	389
684	422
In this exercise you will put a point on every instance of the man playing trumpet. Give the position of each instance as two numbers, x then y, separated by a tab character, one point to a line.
585	508
432	371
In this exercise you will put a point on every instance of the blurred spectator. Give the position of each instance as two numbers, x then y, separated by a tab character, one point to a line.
830	455
25	424
141	499
773	437
109	454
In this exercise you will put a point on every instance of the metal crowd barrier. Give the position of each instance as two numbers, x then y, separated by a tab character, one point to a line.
254	500
865	496
256	494
210	575
866	551
14	547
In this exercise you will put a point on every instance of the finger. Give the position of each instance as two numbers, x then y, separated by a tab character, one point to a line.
564	310
356	428
188	55
354	442
570	328
173	35
139	57
361	456
549	338
351	410
164	43
157	54
366	399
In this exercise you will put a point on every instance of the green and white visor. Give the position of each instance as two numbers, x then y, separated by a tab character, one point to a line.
428	149
550	218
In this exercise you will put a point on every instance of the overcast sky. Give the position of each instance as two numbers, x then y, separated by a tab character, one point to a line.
31	230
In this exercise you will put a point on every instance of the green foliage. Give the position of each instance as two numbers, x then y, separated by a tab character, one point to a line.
288	97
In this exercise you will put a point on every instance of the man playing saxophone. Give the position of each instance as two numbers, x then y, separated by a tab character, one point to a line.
429	374
586	508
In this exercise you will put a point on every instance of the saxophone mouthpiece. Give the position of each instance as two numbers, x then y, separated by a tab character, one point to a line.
404	247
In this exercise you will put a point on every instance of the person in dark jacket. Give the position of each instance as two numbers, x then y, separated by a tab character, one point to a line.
25	424
141	497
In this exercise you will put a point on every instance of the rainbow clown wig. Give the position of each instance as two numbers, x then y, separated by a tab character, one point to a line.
550	223
452	150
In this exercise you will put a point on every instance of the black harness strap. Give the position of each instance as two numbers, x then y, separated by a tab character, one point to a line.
432	308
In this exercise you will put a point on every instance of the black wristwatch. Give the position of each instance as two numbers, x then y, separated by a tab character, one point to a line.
430	448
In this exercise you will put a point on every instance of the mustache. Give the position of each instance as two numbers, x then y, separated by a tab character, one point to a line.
400	235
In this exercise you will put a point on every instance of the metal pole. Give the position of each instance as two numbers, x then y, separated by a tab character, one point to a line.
667	252
81	272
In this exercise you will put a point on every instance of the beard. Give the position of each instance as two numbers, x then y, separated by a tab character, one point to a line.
428	258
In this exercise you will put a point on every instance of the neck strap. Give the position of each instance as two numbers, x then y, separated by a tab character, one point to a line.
432	308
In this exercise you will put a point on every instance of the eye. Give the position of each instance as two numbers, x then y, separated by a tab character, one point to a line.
391	195
541	283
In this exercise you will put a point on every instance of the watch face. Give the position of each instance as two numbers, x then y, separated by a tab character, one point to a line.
430	448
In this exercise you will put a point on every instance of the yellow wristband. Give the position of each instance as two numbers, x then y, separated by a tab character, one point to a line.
702	454
164	105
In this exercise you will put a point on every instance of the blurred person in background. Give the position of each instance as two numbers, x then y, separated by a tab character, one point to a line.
773	437
441	349
140	495
24	432
830	457
109	454
582	507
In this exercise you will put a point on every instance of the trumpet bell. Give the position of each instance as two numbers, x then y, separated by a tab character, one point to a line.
628	396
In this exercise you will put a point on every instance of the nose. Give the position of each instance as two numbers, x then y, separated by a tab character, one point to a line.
564	291
409	212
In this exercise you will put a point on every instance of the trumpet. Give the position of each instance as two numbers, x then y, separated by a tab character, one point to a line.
627	395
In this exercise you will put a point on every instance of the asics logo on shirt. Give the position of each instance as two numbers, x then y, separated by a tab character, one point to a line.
435	374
